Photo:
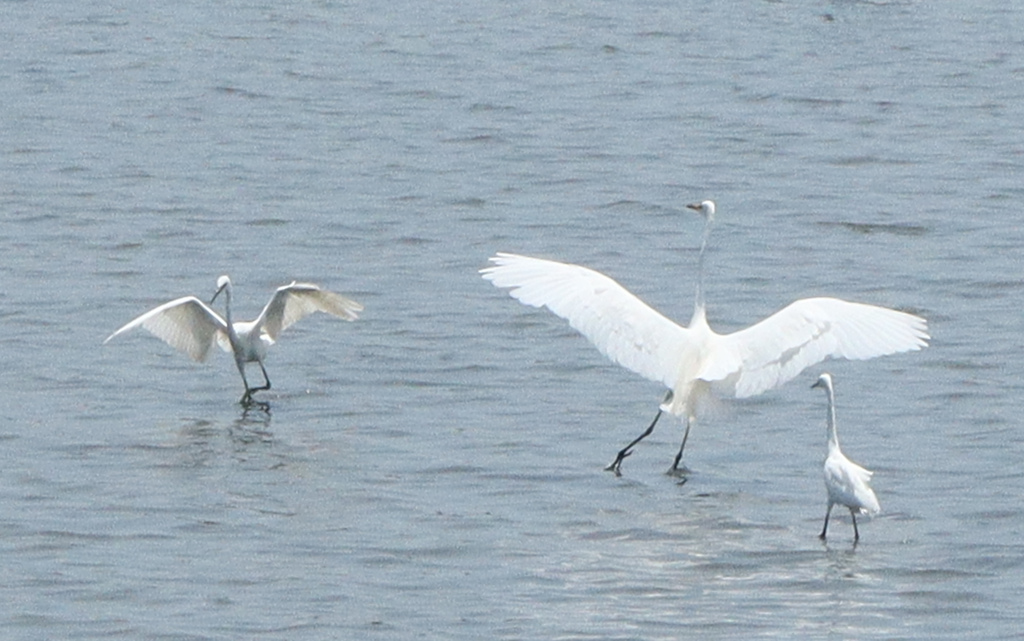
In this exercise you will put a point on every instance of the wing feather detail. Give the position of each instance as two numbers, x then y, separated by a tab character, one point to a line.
291	303
620	325
806	332
186	324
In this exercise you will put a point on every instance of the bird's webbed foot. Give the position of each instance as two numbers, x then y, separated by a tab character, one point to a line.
248	401
261	408
247	398
616	466
679	471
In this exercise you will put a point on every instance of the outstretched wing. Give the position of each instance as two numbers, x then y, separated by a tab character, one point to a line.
807	332
293	302
620	325
186	324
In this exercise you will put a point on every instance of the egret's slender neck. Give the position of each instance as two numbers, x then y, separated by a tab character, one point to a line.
833	434
698	305
227	304
227	310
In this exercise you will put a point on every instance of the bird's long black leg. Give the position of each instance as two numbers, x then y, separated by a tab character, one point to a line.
675	470
626	451
265	378
856	534
247	397
825	529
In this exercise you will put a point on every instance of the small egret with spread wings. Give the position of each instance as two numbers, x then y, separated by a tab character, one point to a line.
192	326
845	481
690	360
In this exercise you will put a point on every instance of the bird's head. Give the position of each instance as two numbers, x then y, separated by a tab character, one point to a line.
222	283
825	381
705	207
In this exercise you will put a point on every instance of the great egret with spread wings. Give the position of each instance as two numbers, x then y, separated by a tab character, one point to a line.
845	481
690	360
192	326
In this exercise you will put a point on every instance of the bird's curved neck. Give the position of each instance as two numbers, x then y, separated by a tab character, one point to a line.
227	309
698	303
833	434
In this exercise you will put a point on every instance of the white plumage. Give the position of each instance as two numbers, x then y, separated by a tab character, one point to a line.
845	481
192	326
689	360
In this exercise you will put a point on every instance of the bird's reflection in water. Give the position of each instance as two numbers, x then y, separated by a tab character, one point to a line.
211	443
253	425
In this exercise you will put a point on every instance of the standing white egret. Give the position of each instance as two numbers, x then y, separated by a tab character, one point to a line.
689	360
192	326
846	482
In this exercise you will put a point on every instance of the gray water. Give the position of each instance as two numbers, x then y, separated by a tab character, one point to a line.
435	469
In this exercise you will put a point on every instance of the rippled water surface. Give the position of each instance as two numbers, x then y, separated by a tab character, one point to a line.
435	470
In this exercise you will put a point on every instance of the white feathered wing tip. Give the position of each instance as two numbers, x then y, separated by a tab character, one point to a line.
741	364
620	325
291	303
186	324
192	326
804	333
